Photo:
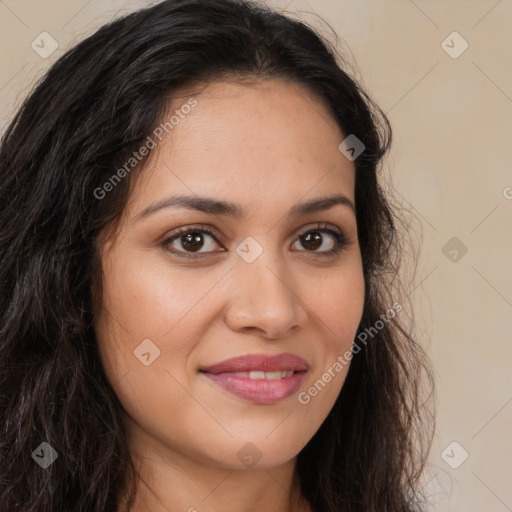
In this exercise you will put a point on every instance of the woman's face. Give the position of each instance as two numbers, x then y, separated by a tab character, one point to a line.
248	163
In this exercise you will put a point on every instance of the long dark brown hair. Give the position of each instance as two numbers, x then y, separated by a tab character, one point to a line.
96	106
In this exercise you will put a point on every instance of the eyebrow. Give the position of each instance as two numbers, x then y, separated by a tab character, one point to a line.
217	207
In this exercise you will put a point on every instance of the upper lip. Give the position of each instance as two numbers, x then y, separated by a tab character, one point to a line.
259	362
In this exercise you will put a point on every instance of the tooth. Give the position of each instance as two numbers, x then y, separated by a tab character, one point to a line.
273	375
256	375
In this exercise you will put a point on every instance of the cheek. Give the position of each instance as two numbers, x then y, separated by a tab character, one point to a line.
340	305
339	309
143	300
133	310
145	313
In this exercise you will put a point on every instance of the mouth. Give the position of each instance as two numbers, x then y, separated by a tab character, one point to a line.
259	378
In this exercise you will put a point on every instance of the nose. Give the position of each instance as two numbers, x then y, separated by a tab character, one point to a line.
264	299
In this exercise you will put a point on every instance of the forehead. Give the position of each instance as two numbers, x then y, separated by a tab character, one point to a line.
252	143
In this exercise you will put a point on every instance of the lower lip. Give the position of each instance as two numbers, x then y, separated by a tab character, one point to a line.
260	391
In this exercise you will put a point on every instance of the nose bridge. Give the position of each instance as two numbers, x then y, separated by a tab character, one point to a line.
263	296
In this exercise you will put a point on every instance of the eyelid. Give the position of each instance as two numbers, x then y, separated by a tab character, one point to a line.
183	230
321	226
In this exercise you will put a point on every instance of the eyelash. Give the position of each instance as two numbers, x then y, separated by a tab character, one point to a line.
341	240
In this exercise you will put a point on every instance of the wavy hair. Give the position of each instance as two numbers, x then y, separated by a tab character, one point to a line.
95	106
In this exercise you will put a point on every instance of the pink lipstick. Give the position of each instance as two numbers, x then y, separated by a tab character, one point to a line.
259	378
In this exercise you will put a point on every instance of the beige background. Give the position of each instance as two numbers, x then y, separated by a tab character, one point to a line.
451	164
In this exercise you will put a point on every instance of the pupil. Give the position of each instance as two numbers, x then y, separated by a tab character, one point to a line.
314	239
191	241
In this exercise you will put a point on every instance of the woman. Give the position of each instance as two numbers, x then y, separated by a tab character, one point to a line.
198	307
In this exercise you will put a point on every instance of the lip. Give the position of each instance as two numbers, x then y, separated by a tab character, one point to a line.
259	362
260	391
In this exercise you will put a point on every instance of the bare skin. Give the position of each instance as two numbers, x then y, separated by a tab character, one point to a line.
265	147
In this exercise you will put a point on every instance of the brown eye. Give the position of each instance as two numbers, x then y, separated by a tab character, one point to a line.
327	240
192	241
186	242
312	240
